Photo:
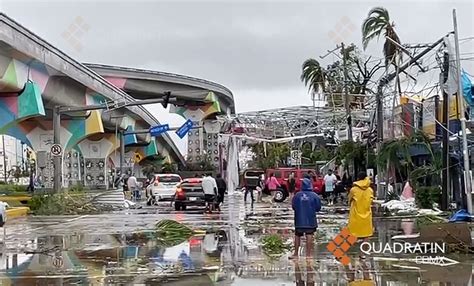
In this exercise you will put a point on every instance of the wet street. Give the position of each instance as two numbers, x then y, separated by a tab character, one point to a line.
118	249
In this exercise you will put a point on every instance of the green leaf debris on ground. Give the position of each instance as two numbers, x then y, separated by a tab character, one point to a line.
170	233
273	245
65	203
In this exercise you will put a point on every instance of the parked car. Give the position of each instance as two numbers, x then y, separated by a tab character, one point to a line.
282	175
163	186
189	193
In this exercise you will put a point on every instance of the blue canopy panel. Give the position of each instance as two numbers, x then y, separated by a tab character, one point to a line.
130	139
468	92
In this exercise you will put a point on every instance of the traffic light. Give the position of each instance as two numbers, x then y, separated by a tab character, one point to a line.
166	99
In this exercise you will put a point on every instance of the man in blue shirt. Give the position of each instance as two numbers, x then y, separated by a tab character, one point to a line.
305	204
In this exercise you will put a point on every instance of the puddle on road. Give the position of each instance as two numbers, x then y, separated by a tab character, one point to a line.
115	260
230	256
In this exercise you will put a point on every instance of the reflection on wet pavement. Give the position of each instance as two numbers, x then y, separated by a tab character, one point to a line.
119	249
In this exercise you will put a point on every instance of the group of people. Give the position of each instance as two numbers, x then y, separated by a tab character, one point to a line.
331	191
214	191
264	185
334	186
306	204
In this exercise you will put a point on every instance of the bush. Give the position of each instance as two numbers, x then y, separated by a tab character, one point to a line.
76	188
425	197
11	189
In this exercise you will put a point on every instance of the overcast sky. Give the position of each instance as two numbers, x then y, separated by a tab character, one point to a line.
254	48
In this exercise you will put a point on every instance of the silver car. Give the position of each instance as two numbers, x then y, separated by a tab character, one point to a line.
163	186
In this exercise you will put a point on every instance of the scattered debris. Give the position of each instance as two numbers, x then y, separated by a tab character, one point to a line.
273	245
399	207
67	203
170	233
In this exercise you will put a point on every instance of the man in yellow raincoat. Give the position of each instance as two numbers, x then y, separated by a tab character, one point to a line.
360	202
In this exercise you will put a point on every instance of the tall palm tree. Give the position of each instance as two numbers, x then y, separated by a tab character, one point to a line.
376	23
313	76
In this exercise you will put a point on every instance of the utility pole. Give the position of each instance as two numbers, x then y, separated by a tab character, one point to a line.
346	93
57	183
4	160
379	97
446	162
344	51
467	167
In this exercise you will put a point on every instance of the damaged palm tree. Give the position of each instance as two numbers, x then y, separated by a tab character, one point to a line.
170	233
378	22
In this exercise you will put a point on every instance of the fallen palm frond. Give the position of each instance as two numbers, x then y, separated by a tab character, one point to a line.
65	203
170	233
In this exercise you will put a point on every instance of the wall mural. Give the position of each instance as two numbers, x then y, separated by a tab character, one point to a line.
95	173
46	173
33	81
73	168
28	85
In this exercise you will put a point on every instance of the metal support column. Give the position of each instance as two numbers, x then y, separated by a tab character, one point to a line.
346	92
57	140
122	150
4	160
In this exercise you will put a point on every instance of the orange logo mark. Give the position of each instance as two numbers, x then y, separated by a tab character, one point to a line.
341	244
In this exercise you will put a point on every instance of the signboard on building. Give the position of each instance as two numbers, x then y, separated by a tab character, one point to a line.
295	157
429	117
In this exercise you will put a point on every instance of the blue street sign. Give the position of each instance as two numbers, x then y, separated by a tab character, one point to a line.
159	129
183	130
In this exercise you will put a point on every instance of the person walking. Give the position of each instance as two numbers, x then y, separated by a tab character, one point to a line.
329	182
31	184
305	204
132	185
260	187
272	183
291	183
360	203
209	186
338	188
249	187
221	189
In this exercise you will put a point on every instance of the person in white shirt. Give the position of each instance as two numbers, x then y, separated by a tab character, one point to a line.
209	186
132	185
329	182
